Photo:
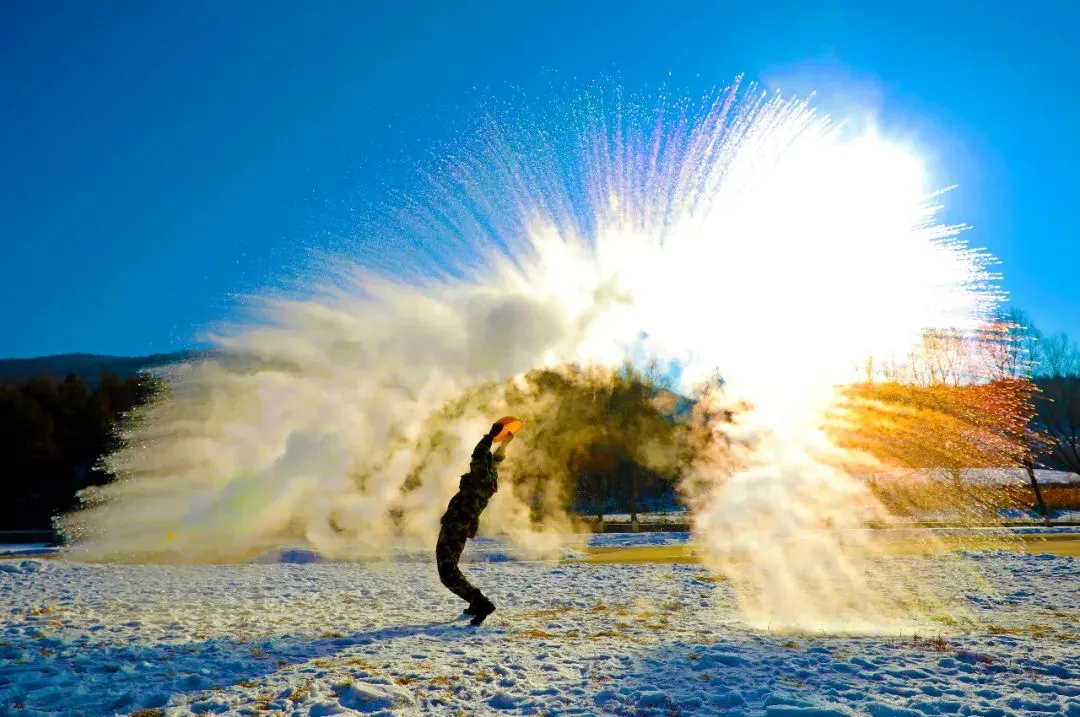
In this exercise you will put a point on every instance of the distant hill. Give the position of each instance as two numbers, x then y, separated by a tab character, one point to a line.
88	367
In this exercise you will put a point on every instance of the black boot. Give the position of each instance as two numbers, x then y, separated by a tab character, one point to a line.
469	610
480	610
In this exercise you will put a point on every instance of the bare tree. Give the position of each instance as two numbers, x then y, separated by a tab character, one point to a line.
959	400
1059	413
1058	401
1014	348
1058	356
946	357
943	357
1011	345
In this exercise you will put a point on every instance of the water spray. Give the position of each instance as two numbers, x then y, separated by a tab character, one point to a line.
746	235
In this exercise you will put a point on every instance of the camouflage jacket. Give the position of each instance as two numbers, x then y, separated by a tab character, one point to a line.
476	487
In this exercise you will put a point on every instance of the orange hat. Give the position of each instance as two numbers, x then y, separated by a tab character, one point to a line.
510	424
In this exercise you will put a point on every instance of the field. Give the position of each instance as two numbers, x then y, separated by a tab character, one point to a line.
1063	544
625	627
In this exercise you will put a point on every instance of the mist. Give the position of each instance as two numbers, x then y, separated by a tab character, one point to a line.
744	236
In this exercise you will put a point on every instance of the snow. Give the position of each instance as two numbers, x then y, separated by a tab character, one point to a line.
26	549
631	540
666	516
998	476
488	550
1018	476
295	636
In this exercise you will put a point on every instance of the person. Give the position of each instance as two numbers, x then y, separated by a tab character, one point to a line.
462	519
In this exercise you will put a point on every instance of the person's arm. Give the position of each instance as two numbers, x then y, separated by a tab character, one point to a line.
484	444
500	455
500	452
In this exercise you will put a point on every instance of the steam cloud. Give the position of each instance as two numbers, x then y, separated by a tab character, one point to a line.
746	235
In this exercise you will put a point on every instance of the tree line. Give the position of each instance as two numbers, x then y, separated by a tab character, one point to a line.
1006	397
53	435
1009	400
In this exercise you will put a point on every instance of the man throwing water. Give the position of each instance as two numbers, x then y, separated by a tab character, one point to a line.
462	517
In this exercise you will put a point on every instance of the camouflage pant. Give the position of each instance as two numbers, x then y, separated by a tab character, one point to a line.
452	539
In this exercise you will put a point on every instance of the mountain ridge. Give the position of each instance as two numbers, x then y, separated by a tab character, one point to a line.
87	366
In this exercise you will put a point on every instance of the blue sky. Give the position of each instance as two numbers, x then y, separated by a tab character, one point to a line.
159	157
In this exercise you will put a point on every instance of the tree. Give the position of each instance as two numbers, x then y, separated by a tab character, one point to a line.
1058	355
1058	405
1058	400
638	424
943	357
1014	351
960	401
593	470
28	444
1014	344
939	426
1053	363
53	436
611	433
594	434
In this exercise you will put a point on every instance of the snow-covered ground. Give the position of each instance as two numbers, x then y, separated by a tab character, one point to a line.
1006	515
313	638
663	516
26	549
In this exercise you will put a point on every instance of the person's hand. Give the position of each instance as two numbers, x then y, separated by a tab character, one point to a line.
509	437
